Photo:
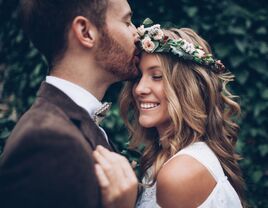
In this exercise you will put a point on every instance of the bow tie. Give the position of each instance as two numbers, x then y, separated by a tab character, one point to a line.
100	113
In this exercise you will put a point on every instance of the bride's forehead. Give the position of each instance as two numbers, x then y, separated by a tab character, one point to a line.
148	60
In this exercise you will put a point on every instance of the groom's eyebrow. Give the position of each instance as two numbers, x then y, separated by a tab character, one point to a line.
128	15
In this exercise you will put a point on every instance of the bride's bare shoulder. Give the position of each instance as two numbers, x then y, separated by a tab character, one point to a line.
183	182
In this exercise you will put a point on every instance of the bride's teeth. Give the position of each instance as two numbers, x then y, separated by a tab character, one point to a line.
148	105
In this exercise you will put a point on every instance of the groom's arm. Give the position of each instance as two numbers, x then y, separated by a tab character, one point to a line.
48	168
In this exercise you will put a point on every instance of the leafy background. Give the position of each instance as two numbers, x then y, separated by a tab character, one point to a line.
238	33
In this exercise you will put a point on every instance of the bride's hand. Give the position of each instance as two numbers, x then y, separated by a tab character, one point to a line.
116	178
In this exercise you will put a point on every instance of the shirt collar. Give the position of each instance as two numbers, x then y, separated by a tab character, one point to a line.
79	95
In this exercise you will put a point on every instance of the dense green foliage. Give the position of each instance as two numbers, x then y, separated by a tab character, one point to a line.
238	33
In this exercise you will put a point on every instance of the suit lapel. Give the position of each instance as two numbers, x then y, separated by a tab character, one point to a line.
90	130
113	146
75	113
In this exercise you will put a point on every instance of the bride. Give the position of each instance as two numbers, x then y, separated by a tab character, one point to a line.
181	110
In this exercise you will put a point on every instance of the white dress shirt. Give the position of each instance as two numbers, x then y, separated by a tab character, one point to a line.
79	95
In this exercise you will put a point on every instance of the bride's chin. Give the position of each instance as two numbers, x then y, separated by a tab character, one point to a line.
145	124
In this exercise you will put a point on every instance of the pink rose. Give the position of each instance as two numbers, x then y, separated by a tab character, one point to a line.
148	45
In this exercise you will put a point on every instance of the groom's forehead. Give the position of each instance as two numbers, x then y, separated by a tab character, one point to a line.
119	7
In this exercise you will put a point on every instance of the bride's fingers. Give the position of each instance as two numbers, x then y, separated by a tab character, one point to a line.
122	165
109	163
108	155
126	168
101	177
100	159
116	167
116	178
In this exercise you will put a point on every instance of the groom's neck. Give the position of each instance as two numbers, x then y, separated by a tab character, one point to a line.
85	74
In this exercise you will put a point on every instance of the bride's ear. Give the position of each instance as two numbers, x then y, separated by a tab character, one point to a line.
85	32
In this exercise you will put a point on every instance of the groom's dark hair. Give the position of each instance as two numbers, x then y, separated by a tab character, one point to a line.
47	22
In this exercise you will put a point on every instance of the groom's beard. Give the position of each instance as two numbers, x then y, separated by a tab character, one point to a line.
115	59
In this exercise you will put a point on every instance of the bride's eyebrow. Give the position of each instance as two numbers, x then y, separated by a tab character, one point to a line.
154	68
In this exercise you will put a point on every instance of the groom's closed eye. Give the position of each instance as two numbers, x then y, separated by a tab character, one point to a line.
128	17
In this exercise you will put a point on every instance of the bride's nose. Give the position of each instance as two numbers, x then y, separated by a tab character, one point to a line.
142	88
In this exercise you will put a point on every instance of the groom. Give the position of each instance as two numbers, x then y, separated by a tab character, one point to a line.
88	44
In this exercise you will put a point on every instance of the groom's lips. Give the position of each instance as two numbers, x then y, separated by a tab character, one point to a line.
136	55
138	49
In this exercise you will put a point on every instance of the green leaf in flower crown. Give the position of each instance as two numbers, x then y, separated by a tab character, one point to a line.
177	51
164	48
156	43
148	22
198	60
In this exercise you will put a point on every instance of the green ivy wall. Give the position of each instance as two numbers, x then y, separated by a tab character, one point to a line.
238	33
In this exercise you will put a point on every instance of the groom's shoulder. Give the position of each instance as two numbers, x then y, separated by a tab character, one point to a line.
44	122
43	115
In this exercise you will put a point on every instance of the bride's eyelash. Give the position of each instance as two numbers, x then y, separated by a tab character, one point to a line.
157	77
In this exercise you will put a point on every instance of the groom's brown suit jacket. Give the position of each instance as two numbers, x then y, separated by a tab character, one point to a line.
47	160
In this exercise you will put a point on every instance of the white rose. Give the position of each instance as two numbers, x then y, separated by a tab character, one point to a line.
191	48
184	46
188	47
147	44
200	53
155	32
156	26
184	41
141	30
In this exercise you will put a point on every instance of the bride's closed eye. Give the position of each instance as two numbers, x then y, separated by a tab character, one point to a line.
157	77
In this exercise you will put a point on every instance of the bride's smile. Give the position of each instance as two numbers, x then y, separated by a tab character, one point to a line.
149	93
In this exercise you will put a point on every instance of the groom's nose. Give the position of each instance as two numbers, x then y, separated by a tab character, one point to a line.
135	33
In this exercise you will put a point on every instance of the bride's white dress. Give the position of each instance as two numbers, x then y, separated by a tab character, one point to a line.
222	196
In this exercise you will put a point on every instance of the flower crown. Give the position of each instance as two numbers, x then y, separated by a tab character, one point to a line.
153	40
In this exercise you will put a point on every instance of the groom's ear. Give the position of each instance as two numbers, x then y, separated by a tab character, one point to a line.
85	32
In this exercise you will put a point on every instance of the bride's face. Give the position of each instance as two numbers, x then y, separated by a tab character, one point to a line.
150	96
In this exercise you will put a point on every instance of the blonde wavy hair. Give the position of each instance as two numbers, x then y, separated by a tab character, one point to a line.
201	109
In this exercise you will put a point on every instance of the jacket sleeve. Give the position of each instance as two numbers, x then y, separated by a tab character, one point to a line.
48	168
